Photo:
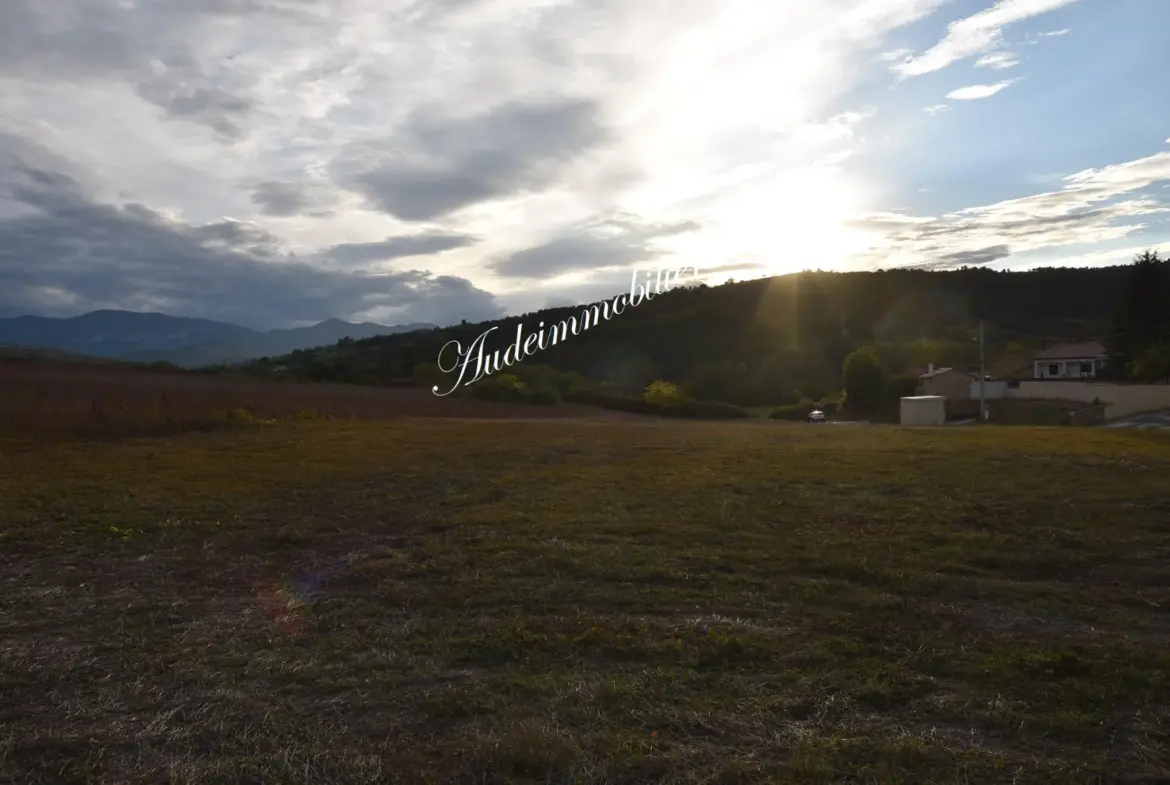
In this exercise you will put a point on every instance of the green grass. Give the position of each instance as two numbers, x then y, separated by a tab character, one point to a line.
587	603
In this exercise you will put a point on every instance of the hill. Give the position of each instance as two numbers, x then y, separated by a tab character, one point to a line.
156	337
757	342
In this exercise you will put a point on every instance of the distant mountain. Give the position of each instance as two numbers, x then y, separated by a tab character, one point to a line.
11	352
151	337
115	334
273	343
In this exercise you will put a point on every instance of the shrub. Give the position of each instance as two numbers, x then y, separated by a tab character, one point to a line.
865	380
541	393
902	386
428	375
503	388
571	381
662	393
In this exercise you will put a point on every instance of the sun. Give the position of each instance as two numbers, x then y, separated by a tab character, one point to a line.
792	221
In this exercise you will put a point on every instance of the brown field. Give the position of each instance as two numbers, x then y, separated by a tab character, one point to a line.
69	399
476	600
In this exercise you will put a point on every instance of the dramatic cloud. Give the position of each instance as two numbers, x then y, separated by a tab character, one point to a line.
333	127
398	247
276	161
733	267
1090	208
614	242
976	34
63	253
181	89
977	91
283	200
972	258
438	164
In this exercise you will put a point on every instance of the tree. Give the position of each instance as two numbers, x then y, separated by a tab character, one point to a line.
865	380
662	393
1141	316
1153	365
430	375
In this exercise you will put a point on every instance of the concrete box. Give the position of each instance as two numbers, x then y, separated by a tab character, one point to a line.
924	410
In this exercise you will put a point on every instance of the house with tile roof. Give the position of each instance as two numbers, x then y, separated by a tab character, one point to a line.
1070	361
951	383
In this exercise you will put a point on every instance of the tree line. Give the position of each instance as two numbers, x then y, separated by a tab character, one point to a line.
1139	341
786	339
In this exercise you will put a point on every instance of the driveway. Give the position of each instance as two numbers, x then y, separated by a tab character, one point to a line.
1159	419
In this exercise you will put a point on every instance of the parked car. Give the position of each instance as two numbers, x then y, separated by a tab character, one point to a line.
816	415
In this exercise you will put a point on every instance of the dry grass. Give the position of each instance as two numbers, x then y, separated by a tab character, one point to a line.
56	400
586	602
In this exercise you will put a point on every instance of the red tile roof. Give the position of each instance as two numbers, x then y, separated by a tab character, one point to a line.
1089	350
940	371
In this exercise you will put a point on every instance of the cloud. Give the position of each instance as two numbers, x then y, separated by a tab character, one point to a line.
998	61
936	108
285	200
65	253
1094	205
971	258
264	159
895	55
597	286
1055	33
146	47
398	247
610	242
1112	257
436	164
976	34
977	91
731	267
181	88
258	141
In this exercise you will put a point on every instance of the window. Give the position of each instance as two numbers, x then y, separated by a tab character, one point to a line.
1087	368
1054	369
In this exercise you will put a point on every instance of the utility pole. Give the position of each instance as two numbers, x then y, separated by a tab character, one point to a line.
982	376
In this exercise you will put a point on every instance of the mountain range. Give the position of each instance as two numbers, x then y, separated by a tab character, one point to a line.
188	343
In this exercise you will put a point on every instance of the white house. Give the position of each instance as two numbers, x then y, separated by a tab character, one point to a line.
1070	361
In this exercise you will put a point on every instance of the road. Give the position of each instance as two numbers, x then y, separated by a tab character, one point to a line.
1159	419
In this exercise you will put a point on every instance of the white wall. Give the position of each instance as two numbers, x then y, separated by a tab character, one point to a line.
1121	400
923	411
991	389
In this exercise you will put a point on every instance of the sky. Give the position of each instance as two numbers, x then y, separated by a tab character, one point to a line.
275	163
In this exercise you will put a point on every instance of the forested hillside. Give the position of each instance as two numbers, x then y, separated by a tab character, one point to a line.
763	341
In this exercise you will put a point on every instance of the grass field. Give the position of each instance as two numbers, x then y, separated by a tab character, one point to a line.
55	401
445	600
